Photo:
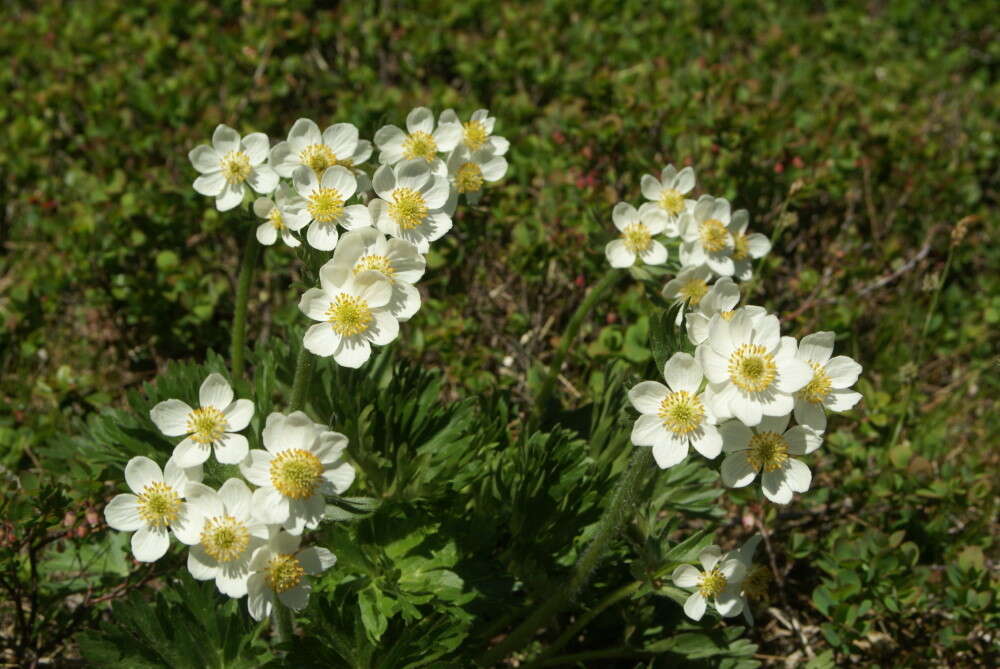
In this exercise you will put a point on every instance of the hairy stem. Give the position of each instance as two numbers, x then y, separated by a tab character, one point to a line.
569	336
622	503
236	351
281	619
584	620
303	374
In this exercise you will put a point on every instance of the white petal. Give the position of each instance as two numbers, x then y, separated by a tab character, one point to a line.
171	417
843	372
270	506
810	414
140	472
210	184
256	467
803	440
793	375
686	576
305	181
841	400
797	475
758	245
735	436
447	136
435	192
187	525
122	513
356	216
225	139
203	501
284	159
230	449
314	303
647	396
747	409
695	606
737	472
342	138
670	450
817	347
230	197
263	179
775	487
682	372
420	119
651	188
405	301
413	174
340	179
258	597
189	453
303	133
321	340
316	559
215	392
352	352
296	598
205	159
385	330
322	236
201	565
340	477
177	477
150	543
648	429
266	234
618	254
656	254
624	215
235	496
294	431
257	147
716	367
707	441
776	424
238	414
685	181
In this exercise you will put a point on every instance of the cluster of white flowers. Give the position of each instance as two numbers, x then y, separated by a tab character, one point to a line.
411	197
247	541
737	394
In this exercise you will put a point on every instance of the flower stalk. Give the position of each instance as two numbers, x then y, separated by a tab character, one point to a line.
238	343
611	523
300	383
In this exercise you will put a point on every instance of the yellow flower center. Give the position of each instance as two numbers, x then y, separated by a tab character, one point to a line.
318	157
681	412
693	291
756	583
296	473
672	201
374	262
276	219
712	583
469	178
727	315
236	167
159	504
325	204
207	425
475	135
752	368
224	538
713	235
637	238
740	249
349	315
408	208
283	572
768	451
420	145
818	387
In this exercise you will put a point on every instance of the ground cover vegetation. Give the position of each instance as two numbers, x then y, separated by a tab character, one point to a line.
861	139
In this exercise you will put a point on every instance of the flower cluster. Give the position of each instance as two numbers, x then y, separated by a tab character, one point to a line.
738	391
247	540
384	222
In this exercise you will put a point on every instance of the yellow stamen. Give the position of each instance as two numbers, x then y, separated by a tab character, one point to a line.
637	237
420	145
681	412
469	178
755	585
276	219
159	504
712	583
296	473
236	167
672	201
283	572
713	235
408	208
741	250
374	262
224	538
693	291
818	387
768	451
475	135
207	425
752	368
349	315
326	204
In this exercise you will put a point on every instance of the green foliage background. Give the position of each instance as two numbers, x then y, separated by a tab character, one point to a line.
865	131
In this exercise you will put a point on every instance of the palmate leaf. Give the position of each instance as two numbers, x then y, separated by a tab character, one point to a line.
186	625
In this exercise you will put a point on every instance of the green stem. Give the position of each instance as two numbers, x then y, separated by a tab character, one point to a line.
584	620
303	373
569	335
919	357
622	503
282	620
239	334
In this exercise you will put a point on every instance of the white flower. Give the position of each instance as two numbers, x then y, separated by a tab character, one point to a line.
354	313
469	170
326	202
675	416
222	535
667	193
301	462
746	247
721	580
230	165
337	145
757	577
765	450
752	370
211	426
687	288
421	141
411	203
828	387
637	228
396	259
156	505
477	133
285	214
721	298
277	570
706	237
